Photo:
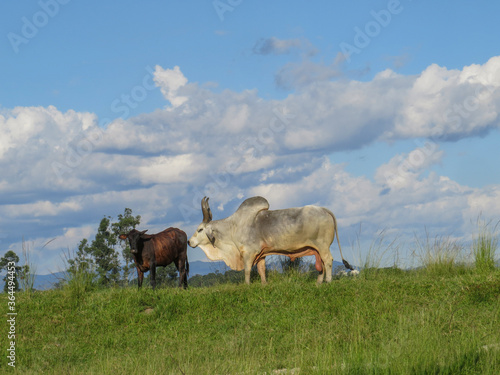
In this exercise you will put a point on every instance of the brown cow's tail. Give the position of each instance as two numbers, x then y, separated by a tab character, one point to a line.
187	268
346	263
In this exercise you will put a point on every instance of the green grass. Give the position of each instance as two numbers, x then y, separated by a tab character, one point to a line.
484	246
388	322
441	255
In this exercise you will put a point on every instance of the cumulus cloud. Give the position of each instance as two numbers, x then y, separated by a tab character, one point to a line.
40	208
62	173
451	104
402	170
38	143
170	81
439	104
425	201
168	170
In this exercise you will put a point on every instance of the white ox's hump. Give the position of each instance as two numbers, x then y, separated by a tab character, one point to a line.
247	211
252	206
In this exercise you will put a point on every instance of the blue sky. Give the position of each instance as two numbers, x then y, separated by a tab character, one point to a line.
107	105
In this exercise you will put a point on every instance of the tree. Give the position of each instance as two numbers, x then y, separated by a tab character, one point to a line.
9	263
100	257
125	224
83	261
81	270
167	275
105	255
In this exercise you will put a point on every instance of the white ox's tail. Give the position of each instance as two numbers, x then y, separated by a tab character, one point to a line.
346	263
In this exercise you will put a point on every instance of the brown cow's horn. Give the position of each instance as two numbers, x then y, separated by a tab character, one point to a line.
205	208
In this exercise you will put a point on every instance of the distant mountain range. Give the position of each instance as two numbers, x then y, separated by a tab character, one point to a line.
197	267
44	282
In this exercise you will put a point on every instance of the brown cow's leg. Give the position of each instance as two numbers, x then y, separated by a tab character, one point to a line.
152	275
180	264
184	273
140	277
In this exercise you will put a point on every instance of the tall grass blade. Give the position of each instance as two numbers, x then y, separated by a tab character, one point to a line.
79	278
484	245
28	270
441	255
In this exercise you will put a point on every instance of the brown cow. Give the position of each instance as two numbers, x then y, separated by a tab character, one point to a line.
160	249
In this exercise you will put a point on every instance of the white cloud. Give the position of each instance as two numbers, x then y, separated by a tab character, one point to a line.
402	170
168	170
40	208
422	202
170	81
235	118
232	145
451	103
40	127
485	202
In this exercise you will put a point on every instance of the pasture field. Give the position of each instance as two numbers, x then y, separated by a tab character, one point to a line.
382	322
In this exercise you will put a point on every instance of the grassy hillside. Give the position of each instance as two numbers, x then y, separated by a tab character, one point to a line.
383	321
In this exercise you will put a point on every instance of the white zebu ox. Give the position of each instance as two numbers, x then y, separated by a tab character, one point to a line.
253	232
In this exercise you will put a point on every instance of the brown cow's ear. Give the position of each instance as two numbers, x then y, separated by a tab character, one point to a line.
122	237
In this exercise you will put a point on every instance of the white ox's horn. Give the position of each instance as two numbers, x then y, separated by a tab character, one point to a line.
205	208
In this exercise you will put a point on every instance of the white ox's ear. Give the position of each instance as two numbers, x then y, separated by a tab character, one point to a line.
222	248
210	234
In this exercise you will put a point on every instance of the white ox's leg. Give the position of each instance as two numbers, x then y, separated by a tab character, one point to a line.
327	266
321	276
327	263
261	268
247	263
